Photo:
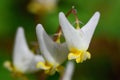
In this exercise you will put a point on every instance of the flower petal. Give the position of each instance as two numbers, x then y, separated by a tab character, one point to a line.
72	35
54	53
20	45
89	28
23	58
68	71
34	62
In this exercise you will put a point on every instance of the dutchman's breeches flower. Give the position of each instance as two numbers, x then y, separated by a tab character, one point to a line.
24	60
54	53
78	40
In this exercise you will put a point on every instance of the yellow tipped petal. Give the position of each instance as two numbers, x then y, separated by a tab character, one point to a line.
43	66
8	65
47	71
60	69
73	56
75	53
88	55
78	60
79	55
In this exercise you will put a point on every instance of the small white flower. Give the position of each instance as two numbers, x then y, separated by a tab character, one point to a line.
54	53
24	60
78	40
68	71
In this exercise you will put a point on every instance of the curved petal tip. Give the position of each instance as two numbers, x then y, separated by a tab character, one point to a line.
97	14
20	30
39	27
61	14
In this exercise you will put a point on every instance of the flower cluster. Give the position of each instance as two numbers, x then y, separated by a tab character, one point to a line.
53	52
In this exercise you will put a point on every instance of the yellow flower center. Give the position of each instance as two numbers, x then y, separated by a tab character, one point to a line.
50	68
79	55
17	73
44	66
11	67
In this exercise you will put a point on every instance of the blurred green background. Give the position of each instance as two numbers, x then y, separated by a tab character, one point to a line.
104	47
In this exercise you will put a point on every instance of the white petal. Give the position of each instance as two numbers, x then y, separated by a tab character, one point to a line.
22	56
89	28
61	52
72	36
68	71
53	52
34	61
45	49
20	42
39	58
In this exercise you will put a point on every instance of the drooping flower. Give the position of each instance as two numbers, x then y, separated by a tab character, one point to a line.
78	40
42	6
69	70
54	53
24	60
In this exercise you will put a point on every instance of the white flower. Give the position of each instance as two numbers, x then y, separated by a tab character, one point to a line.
78	40
24	60
68	71
54	53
